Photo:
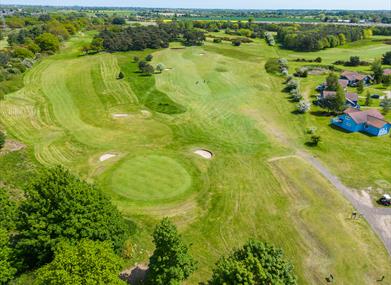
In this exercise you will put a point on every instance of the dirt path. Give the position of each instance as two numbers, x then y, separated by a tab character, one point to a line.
378	218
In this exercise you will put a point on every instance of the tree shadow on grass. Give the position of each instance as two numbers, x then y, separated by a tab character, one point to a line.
322	113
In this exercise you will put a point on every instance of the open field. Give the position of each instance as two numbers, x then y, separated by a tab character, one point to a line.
219	98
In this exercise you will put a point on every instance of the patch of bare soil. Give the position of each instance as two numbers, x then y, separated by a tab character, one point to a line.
12	145
135	275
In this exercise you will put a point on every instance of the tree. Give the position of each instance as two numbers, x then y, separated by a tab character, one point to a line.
171	262
368	99
7	271
22	52
147	69
360	87
160	67
386	80
7	224
59	206
97	44
386	59
354	61
377	71
149	57
87	262
303	106
2	139
255	263
342	39
121	75
236	43
48	42
315	139
136	59
118	21
332	82
386	105
340	99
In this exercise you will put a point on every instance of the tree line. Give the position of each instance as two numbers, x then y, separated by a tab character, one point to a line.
143	37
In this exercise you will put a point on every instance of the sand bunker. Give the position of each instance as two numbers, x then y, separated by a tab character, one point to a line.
120	115
202	54
204	153
106	156
168	68
146	113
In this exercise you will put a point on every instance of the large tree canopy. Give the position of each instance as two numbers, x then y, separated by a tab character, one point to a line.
87	262
256	263
171	262
59	206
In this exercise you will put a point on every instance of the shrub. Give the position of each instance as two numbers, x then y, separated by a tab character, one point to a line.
303	106
48	42
236	43
121	75
149	57
21	52
2	139
217	40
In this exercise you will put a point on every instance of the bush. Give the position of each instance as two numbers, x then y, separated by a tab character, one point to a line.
217	40
48	42
2	139
303	106
236	43
149	57
121	75
21	52
118	21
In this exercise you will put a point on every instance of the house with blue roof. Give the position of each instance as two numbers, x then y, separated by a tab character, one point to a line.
369	121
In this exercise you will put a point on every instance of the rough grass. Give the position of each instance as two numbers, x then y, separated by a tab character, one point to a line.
64	115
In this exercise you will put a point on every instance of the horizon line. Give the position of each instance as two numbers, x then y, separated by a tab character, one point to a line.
188	8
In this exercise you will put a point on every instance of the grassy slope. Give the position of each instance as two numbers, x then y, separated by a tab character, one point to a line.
237	111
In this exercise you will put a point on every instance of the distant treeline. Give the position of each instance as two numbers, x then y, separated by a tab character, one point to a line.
314	38
142	37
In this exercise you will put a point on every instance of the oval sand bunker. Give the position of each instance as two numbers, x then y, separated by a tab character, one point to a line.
106	156
204	153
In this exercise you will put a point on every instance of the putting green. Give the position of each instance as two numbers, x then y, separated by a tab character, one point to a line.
150	178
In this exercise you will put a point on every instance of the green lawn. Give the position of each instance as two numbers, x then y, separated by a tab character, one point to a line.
215	97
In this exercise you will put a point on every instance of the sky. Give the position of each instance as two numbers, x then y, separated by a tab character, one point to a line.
223	4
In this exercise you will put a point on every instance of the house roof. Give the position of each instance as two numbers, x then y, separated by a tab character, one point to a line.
353	76
372	117
327	93
387	71
343	82
351	96
375	122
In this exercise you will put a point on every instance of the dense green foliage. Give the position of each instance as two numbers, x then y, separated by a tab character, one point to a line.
386	58
59	207
170	263
255	263
7	224
142	37
2	139
87	262
314	38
